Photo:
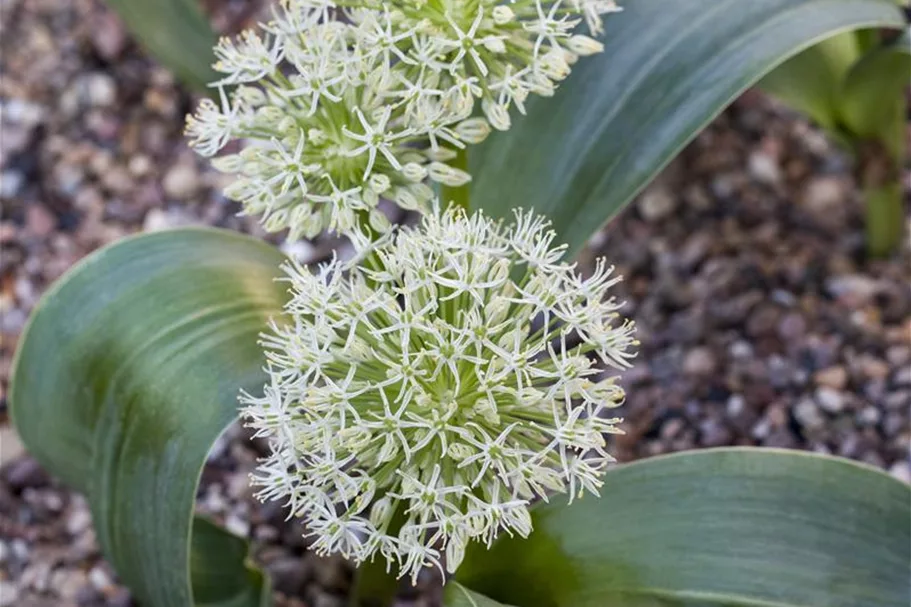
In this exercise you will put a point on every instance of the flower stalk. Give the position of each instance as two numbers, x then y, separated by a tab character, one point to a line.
878	172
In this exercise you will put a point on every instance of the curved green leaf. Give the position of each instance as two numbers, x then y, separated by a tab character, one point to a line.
176	33
872	95
737	526
128	371
220	574
811	81
456	595
667	69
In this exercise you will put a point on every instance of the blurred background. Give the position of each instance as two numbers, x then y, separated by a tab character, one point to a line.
762	320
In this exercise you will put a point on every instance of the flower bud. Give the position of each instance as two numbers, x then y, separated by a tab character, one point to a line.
540	84
495	45
345	219
584	45
354	439
276	220
370	197
497	310
405	199
447	175
497	115
297	219
287	125
502	14
421	191
250	95
459	451
441	154
378	182
270	114
455	553
389	450
473	130
487	410
316	136
381	512
232	163
378	221
554	65
312	225
414	172
238	189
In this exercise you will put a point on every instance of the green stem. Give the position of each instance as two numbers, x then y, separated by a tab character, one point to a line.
885	219
460	196
878	173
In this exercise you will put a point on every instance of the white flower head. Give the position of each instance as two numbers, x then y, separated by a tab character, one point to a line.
333	92
424	393
494	50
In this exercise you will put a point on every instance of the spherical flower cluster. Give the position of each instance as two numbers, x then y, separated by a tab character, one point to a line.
422	395
343	102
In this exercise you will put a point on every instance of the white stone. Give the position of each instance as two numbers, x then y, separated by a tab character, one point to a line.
101	90
181	182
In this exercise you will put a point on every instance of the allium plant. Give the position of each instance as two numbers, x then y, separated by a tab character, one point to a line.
341	103
423	395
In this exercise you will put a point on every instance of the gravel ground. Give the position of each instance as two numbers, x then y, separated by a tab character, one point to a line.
760	319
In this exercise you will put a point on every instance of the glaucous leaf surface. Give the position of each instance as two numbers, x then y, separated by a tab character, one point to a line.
734	526
127	372
667	69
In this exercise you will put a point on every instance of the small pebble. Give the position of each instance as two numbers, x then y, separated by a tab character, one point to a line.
902	376
656	203
856	289
832	377
901	470
9	595
181	182
237	525
700	362
25	473
100	579
11	182
869	416
764	168
829	399
824	194
808	414
78	520
102	90
67	582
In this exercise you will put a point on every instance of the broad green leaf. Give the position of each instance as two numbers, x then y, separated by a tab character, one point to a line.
811	81
736	526
220	574
176	33
456	595
872	97
127	372
667	69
